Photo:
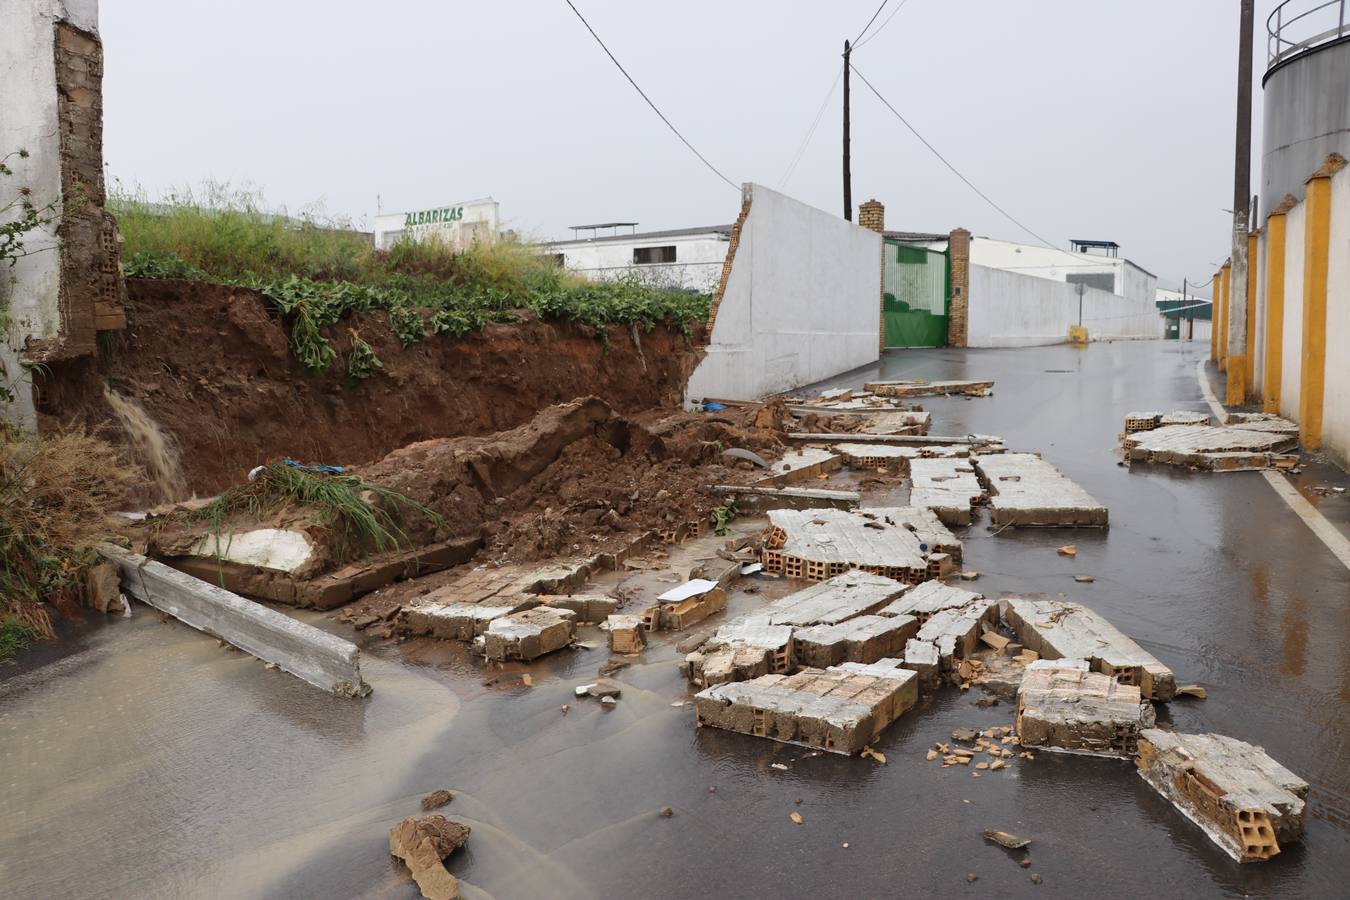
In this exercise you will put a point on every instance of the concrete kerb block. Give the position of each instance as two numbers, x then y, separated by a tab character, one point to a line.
323	660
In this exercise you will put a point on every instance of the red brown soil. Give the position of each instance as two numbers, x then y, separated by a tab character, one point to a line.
212	366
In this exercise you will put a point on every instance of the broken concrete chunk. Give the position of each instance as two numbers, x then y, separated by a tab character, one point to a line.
529	634
863	639
895	542
927	598
836	710
955	630
1061	705
422	844
923	658
589	609
1007	839
949	487
1059	629
626	634
685	605
1247	803
436	799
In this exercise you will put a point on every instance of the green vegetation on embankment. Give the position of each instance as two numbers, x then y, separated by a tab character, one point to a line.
316	275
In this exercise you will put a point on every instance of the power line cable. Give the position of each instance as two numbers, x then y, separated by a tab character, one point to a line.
871	20
810	133
882	26
957	172
643	93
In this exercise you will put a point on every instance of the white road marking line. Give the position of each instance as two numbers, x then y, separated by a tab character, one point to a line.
1329	534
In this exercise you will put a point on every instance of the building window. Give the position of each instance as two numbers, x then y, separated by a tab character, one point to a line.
647	255
559	260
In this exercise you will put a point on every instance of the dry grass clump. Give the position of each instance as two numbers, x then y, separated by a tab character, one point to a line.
55	495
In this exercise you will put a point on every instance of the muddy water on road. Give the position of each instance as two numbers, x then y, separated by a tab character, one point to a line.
149	762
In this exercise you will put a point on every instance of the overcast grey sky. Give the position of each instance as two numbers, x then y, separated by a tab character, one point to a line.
1106	119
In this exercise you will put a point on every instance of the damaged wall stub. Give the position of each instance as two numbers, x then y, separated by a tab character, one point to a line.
528	634
903	543
685	605
836	710
1026	490
1059	629
1250	805
1062	705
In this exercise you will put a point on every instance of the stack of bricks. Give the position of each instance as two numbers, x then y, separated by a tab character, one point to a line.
732	244
92	290
958	257
872	216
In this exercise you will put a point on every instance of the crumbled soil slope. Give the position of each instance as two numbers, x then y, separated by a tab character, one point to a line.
212	366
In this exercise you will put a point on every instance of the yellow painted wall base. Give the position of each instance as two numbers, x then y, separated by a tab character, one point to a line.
1237	381
1078	334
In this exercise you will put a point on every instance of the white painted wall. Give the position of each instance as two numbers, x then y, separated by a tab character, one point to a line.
1009	309
802	302
28	120
697	266
1056	265
459	225
1292	354
1336	403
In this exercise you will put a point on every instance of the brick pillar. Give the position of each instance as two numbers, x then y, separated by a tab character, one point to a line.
958	256
872	216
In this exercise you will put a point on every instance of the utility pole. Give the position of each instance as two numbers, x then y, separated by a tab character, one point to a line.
848	174
1242	176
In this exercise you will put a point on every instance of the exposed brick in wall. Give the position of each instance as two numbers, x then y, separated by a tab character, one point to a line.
872	216
92	291
731	256
958	252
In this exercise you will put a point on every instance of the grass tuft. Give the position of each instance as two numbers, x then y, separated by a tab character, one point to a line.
358	517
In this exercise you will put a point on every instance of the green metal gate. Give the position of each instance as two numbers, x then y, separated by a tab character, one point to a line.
917	284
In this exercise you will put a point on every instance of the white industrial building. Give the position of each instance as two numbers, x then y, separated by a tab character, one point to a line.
458	225
683	258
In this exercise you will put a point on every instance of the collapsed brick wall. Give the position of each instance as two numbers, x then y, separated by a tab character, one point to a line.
92	292
732	244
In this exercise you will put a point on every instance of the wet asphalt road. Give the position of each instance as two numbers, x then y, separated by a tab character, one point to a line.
139	759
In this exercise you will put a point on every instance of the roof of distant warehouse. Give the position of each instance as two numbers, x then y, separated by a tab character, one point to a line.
721	230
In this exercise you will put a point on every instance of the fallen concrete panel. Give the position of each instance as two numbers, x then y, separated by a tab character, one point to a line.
757	498
1061	705
930	388
1216	448
1026	490
1059	629
955	631
923	600
832	601
809	462
913	440
323	660
528	634
1262	422
876	456
833	710
1184	417
864	639
903	543
463	608
741	650
1141	421
949	487
1247	803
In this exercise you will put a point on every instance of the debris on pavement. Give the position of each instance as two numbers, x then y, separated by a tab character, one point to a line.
796	818
1061	705
1068	550
1024	489
1006	839
422	844
918	388
436	799
1058	629
626	634
1248	804
1192	690
911	546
